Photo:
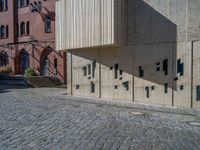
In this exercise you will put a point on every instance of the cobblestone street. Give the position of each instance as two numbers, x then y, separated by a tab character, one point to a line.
46	118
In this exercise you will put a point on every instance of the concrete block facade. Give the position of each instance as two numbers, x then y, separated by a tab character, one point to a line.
157	62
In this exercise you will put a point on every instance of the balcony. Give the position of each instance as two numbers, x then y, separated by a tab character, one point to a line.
85	24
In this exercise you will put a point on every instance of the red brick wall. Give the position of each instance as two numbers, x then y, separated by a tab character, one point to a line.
36	50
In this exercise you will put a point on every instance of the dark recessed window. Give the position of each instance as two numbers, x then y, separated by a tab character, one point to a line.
27	28
3	59
181	87
48	24
166	88
126	85
2	5
84	71
22	3
165	66
2	31
116	67
198	92
141	72
180	67
147	91
89	69
93	68
22	28
92	85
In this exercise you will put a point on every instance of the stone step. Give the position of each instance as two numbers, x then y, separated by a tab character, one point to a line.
42	81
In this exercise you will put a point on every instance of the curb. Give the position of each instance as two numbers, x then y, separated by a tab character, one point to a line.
136	105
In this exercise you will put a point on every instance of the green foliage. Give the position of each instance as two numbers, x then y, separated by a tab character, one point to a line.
30	72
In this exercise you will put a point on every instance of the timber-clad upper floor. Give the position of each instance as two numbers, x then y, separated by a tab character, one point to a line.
90	23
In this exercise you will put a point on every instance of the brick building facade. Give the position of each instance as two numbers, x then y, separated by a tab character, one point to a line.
27	37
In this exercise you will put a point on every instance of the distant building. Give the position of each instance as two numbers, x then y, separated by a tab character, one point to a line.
27	37
135	50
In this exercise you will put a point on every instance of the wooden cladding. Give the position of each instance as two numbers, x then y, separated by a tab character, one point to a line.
83	24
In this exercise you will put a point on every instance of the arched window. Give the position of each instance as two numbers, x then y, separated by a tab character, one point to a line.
27	28
2	5
22	28
2	31
7	31
48	24
3	59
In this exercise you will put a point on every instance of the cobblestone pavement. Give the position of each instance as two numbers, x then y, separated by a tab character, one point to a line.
43	119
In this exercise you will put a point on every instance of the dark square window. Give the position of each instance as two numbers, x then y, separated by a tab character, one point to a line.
181	87
77	87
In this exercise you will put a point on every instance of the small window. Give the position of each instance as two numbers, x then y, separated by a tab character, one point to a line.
6	5
2	5
165	66
84	71
48	24
27	2
198	92
126	85
77	87
93	68
89	69
120	72
152	88
2	31
141	72
180	67
147	91
166	88
22	3
92	85
116	66
22	28
27	28
181	87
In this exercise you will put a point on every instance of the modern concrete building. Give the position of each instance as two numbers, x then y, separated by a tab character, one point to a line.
136	50
27	37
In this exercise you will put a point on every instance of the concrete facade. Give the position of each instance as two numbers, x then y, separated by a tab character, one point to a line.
157	62
36	43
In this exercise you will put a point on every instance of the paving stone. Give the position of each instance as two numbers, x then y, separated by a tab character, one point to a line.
44	118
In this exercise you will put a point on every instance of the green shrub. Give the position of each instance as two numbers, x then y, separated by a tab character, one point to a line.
6	70
30	72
